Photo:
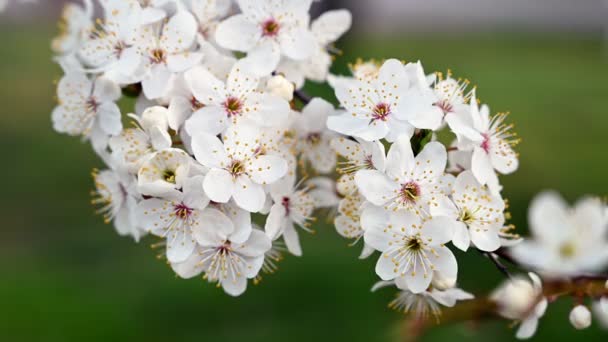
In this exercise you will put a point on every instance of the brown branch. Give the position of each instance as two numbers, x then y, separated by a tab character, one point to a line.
483	309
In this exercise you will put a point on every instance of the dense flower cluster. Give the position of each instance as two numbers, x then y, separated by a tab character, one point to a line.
219	130
213	137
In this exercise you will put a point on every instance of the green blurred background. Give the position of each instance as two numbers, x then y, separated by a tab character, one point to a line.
68	277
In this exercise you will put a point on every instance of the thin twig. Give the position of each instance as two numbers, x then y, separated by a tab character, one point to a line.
302	96
494	258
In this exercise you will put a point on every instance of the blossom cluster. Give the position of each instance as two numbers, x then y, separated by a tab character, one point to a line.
214	136
409	203
223	158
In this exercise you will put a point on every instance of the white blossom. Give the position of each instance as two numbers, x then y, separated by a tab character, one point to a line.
388	105
580	317
565	241
237	166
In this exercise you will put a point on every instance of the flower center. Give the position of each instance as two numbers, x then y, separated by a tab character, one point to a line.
381	111
158	56
233	106
195	104
286	203
270	28
225	248
237	168
182	211
445	106
169	176
414	244
119	48
314	138
92	104
409	192
466	216
567	250
486	143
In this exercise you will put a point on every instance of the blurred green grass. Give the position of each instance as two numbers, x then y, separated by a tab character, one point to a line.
68	277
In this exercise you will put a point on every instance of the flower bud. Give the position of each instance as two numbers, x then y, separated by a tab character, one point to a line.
580	317
515	298
280	86
346	185
442	283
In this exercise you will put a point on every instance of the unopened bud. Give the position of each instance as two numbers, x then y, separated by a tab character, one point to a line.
580	317
442	283
515	298
280	86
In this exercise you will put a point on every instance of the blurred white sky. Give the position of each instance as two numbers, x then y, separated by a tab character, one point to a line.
589	16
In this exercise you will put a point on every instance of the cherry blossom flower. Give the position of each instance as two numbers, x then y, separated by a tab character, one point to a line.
87	107
359	154
237	168
386	106
314	137
565	241
111	46
490	140
224	104
73	25
164	173
348	221
411	183
175	218
135	145
291	207
476	215
326	29
165	50
425	303
267	30
116	198
521	300
209	13
412	250
222	258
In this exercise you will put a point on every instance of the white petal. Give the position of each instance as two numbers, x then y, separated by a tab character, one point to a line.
375	186
219	185
209	150
331	25
267	110
248	195
292	240
418	281
179	33
180	245
438	230
275	221
210	119
547	211
157	82
485	238
263	59
237	33
205	87
400	159
298	44
481	166
181	62
431	162
385	267
267	169
109	117
374	221
257	244
212	228
235	287
461	237
105	90
445	262
527	328
189	268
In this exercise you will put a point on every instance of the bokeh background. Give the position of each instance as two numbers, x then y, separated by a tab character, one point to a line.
65	276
